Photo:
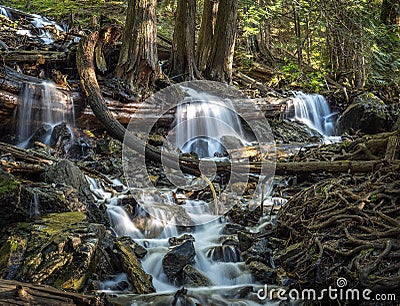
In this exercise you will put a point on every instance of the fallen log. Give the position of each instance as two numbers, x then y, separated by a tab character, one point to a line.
335	167
34	56
17	293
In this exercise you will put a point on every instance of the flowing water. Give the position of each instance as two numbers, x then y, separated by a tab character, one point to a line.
4	12
314	111
221	264
202	120
35	206
41	106
46	27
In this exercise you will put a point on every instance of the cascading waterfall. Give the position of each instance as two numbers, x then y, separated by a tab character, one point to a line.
221	264
314	111
202	120
42	105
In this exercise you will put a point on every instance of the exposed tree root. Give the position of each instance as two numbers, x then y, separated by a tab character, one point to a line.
341	228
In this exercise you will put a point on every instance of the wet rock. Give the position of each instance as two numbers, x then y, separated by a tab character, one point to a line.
230	240
368	114
141	281
259	251
231	228
191	277
246	240
66	173
174	241
231	142
286	131
60	250
262	272
10	201
177	258
224	253
108	146
50	200
61	136
40	135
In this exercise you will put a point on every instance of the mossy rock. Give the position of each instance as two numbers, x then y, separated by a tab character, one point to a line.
368	114
141	281
60	250
10	199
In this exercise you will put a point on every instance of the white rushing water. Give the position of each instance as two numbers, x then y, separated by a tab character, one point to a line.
202	120
46	27
41	105
4	11
221	264
314	111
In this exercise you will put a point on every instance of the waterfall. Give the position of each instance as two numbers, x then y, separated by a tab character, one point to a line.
202	120
314	111
41	105
4	12
34	210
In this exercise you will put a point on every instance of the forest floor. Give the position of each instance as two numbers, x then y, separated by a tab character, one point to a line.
334	224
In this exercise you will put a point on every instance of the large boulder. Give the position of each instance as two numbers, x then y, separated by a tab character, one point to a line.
367	114
177	258
65	172
59	250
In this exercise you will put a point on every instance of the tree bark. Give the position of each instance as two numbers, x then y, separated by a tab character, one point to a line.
182	61
138	62
219	67
206	33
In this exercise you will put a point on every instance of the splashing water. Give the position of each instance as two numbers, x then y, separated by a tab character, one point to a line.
314	111
41	105
201	122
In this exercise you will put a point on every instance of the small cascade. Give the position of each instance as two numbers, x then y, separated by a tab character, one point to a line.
201	122
47	29
34	209
4	12
41	106
221	264
314	111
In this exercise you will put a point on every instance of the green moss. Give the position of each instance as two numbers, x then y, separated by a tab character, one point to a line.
8	185
54	223
5	252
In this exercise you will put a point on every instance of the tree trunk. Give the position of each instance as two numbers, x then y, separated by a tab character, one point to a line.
390	12
220	62
183	46
206	33
138	61
297	28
